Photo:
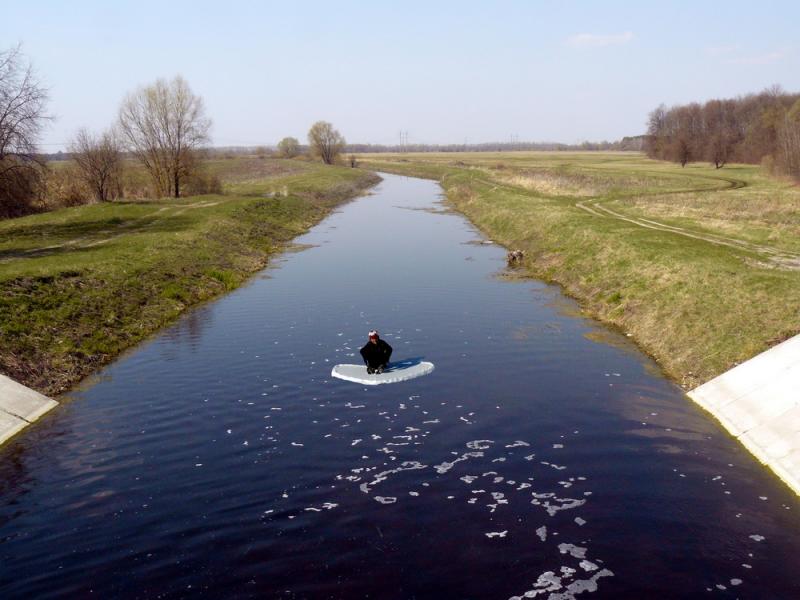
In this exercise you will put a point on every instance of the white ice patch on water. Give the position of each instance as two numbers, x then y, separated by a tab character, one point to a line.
409	465
572	550
588	565
549	583
580	521
386	499
497	534
757	538
517	444
479	444
542	532
444	467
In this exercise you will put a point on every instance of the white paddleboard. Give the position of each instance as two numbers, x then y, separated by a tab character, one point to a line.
395	373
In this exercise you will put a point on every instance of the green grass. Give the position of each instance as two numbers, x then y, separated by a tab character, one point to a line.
80	285
697	307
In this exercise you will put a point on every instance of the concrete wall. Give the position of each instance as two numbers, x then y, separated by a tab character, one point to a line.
19	407
759	403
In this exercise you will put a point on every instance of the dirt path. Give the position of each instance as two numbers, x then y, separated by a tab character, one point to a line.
773	257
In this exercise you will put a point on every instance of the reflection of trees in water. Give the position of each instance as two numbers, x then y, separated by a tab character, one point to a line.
16	457
13	476
188	331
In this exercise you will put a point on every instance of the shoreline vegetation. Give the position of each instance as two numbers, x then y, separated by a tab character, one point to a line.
699	266
80	285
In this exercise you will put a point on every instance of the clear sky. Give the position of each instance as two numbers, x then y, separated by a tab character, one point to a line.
444	71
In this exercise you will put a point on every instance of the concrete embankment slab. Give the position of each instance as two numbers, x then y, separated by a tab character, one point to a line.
758	402
19	407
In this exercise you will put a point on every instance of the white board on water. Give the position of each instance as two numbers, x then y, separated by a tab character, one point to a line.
397	372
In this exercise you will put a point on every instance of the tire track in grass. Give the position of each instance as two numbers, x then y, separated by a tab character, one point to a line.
773	256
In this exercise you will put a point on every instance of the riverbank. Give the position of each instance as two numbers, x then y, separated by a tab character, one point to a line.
699	266
80	285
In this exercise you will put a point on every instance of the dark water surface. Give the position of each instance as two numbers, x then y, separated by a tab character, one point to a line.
219	459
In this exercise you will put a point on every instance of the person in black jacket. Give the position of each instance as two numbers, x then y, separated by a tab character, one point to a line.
376	353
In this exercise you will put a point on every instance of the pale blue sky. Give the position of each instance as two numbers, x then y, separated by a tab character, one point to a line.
443	71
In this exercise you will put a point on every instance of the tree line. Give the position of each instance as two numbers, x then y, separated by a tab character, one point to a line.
163	126
757	128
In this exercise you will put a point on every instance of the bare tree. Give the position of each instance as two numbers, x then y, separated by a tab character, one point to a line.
289	147
22	115
164	125
99	159
325	142
789	140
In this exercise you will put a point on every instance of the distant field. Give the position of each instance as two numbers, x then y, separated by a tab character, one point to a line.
79	285
701	266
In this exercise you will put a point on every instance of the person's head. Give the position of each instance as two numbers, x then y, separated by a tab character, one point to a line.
373	336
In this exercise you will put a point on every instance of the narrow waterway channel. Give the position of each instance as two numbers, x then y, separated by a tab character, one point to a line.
544	457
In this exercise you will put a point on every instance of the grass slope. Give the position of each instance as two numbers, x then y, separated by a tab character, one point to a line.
698	307
80	285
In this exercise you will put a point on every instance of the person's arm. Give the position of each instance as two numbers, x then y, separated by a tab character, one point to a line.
387	351
364	354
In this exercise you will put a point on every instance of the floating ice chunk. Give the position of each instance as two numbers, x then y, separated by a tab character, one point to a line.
497	534
409	465
566	504
735	581
757	538
499	497
297	444
572	550
479	444
586	585
413	493
386	499
557	446
580	521
446	466
588	565
530	457
468	478
547	582
517	444
542	532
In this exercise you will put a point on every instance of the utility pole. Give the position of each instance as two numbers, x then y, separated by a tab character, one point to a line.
403	141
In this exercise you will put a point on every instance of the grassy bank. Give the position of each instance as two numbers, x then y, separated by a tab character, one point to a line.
700	266
80	285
